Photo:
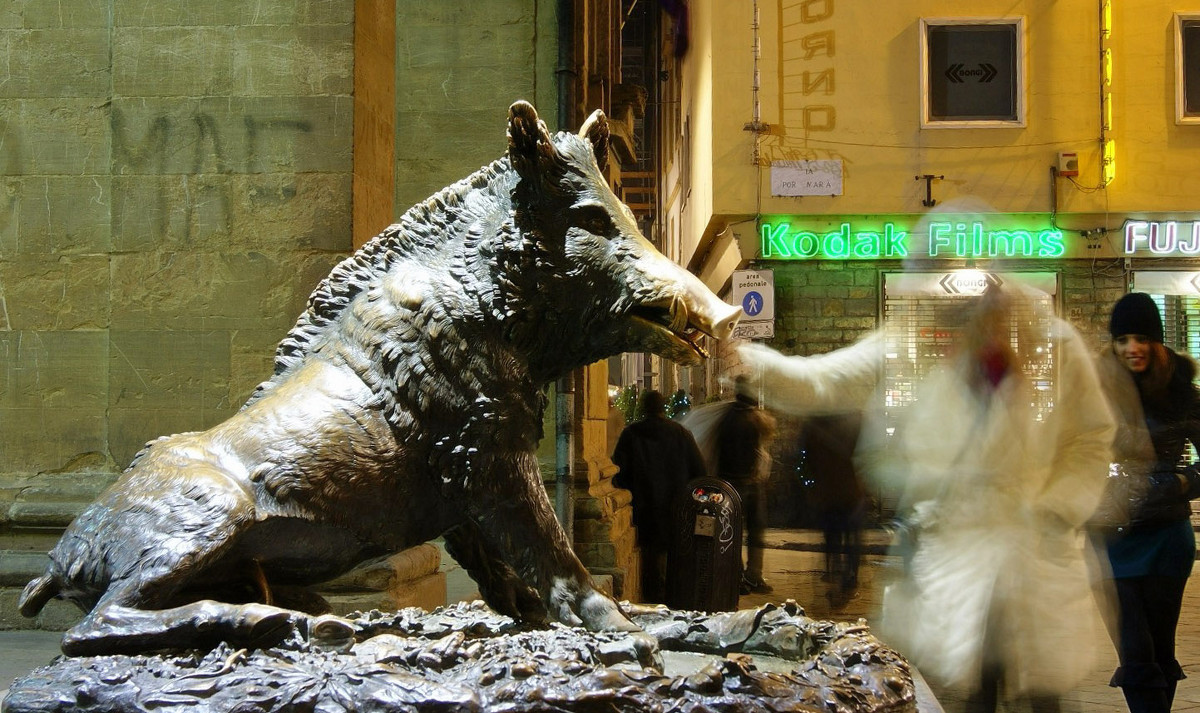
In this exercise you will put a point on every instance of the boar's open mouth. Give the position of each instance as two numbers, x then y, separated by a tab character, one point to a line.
670	316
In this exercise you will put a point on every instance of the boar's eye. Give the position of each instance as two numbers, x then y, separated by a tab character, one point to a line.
592	218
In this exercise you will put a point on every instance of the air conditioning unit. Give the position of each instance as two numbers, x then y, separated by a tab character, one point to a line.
1068	163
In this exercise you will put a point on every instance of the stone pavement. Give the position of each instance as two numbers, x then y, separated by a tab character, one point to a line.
794	565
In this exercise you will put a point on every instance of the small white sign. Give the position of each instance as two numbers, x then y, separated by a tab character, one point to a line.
963	282
754	291
754	330
1164	282
806	178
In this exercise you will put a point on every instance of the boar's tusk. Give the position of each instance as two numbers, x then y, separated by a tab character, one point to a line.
679	316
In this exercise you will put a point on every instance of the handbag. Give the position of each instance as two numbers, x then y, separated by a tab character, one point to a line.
1124	495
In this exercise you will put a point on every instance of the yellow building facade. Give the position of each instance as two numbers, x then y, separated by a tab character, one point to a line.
847	87
884	161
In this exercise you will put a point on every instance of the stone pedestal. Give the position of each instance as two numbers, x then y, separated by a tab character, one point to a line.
605	539
411	578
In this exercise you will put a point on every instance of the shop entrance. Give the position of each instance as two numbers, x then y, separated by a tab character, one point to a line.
925	313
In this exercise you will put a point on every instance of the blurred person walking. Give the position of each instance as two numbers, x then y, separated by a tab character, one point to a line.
741	459
995	598
1145	527
839	496
657	457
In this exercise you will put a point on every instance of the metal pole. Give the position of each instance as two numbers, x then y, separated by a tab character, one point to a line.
564	402
564	454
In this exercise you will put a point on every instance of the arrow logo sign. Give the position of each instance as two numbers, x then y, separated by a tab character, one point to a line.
958	73
969	283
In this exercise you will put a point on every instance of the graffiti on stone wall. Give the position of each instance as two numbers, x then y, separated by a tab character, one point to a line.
200	145
191	157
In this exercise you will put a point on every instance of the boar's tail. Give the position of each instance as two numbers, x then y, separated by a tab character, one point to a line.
37	593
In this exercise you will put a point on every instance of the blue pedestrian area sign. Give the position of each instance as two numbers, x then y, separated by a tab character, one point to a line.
752	303
754	290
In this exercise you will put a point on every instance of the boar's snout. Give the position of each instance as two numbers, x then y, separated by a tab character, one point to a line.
672	319
723	327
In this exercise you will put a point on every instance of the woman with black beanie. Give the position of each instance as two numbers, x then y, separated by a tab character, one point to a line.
1151	548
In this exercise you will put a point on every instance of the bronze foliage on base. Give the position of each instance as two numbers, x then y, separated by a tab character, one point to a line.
468	658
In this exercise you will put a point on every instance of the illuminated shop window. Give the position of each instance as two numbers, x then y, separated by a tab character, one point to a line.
925	314
1181	332
972	73
925	331
1181	322
1187	68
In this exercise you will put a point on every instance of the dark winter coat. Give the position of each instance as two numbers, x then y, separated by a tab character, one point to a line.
1170	420
657	458
741	443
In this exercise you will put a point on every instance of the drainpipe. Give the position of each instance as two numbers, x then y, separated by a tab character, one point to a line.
564	454
565	73
564	402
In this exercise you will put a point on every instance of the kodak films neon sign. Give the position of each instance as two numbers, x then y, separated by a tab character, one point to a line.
950	239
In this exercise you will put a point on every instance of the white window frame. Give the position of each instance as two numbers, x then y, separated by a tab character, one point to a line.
1022	86
1181	115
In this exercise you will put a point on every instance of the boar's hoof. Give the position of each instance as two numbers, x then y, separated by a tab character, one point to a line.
600	613
331	633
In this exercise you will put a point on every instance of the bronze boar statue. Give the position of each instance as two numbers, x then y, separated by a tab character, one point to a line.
406	404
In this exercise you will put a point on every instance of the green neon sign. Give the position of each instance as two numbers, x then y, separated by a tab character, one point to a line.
947	239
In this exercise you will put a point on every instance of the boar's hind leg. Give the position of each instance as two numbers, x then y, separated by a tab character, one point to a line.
111	628
499	585
136	612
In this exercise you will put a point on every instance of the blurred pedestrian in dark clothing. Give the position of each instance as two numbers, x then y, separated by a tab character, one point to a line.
838	494
1151	545
657	458
743	461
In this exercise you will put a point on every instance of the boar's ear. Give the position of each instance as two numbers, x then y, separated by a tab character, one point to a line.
530	148
595	129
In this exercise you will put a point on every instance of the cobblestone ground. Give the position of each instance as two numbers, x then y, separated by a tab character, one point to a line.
797	574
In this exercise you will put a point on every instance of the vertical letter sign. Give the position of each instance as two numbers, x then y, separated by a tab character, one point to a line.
754	290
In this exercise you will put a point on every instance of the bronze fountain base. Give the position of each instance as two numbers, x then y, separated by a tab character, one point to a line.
466	657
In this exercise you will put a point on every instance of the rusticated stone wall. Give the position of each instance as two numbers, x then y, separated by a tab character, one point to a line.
175	181
459	65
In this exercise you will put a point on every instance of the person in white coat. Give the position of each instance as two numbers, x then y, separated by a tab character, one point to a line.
995	596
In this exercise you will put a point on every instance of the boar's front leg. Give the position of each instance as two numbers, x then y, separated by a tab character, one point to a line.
499	584
513	529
